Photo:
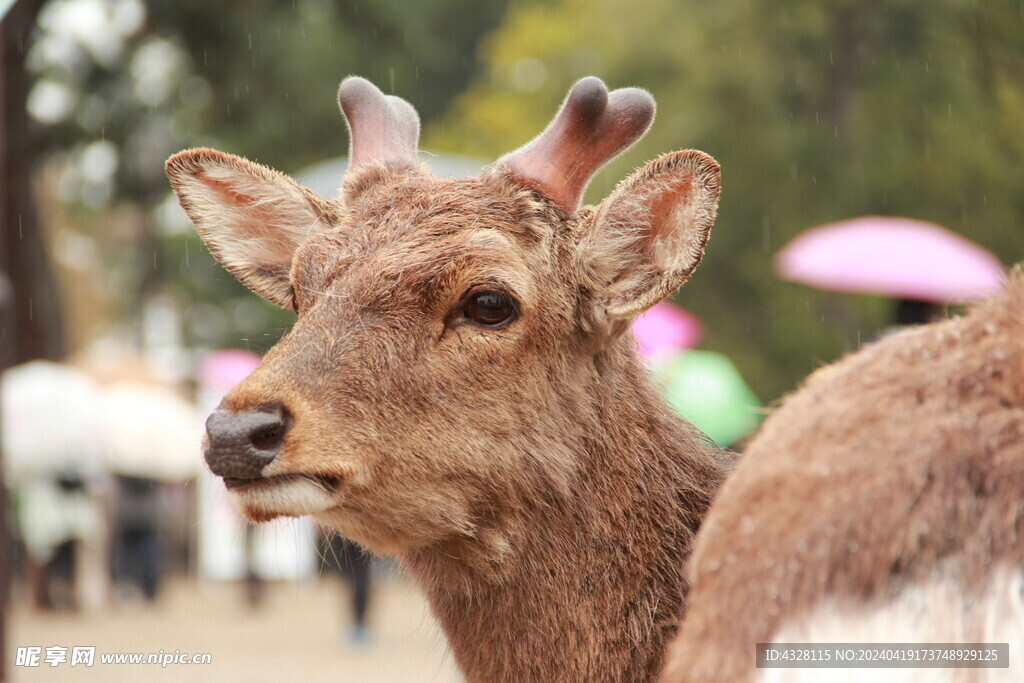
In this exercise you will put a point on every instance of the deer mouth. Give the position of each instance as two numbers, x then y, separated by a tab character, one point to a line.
238	484
262	499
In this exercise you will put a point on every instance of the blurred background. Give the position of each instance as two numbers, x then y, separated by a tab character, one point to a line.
817	112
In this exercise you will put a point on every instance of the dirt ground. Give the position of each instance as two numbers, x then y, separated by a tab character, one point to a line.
298	634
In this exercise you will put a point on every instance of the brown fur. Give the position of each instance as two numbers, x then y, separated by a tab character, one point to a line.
900	464
528	476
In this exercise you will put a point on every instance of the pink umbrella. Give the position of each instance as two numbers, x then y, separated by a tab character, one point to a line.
665	328
897	257
222	370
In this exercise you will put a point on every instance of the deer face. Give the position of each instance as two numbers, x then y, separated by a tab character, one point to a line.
444	326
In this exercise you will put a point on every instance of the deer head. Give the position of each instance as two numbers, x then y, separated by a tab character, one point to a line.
444	327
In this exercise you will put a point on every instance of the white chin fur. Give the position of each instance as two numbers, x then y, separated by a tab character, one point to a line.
289	498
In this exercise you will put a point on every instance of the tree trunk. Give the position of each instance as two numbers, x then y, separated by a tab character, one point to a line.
29	313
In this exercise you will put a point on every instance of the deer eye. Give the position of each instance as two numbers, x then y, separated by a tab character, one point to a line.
489	308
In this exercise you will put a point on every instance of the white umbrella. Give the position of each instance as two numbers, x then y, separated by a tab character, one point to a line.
325	177
51	419
150	431
5	7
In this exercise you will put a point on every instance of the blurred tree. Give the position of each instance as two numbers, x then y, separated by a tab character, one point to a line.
28	302
30	326
816	112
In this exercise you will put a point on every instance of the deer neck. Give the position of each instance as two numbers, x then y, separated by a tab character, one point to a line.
588	584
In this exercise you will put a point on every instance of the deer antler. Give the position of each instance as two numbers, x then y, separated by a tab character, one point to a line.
592	127
381	127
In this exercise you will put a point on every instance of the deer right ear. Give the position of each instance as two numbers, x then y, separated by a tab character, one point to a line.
251	218
649	234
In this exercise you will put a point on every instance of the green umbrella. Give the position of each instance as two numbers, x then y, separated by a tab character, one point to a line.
706	389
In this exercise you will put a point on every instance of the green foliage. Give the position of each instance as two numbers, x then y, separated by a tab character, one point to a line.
816	111
275	66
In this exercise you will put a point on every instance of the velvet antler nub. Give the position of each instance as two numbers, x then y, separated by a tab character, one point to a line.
382	128
592	127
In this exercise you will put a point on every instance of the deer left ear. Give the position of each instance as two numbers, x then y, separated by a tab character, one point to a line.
251	218
649	234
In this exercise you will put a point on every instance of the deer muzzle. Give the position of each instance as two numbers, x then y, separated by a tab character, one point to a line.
240	445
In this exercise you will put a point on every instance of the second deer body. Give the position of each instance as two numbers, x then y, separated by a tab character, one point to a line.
881	503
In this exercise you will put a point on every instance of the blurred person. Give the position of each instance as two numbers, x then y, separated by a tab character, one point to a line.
910	312
356	565
136	561
55	515
255	586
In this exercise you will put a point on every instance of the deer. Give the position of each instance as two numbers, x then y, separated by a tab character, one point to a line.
460	389
883	501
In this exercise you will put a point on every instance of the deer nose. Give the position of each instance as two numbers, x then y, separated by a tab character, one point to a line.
240	445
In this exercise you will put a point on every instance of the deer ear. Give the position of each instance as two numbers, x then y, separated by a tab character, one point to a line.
251	218
649	234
